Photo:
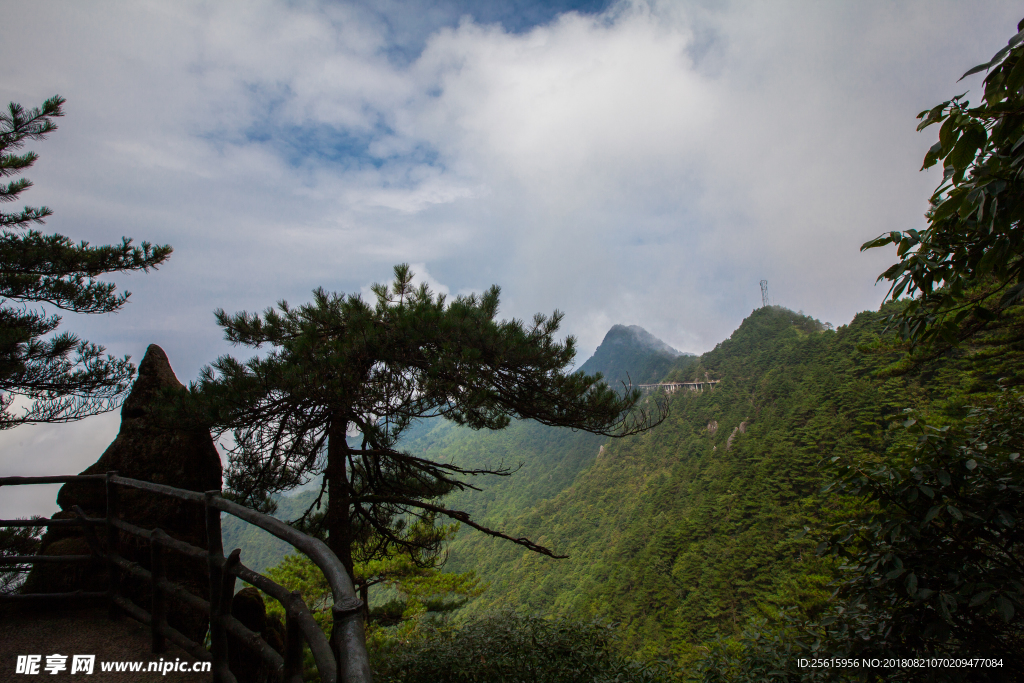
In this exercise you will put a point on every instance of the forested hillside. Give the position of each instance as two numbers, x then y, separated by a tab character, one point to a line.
261	550
689	530
631	354
542	460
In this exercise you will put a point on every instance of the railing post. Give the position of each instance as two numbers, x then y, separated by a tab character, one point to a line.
227	596
113	546
158	624
90	533
293	643
218	636
348	636
227	592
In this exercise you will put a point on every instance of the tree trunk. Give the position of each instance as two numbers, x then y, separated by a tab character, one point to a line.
364	595
339	520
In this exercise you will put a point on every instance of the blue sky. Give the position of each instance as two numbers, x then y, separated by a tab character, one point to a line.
640	162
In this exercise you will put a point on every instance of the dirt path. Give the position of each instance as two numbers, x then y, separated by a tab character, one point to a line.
85	632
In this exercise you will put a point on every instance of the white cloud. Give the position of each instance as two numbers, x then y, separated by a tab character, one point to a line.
38	450
647	166
420	276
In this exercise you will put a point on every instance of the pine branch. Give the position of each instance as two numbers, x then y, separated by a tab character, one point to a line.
462	517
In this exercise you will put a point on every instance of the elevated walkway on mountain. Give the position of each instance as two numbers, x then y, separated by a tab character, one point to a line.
672	387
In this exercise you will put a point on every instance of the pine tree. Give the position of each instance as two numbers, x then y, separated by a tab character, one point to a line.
63	377
416	577
340	367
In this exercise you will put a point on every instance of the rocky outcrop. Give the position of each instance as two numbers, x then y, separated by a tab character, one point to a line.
248	607
739	429
149	448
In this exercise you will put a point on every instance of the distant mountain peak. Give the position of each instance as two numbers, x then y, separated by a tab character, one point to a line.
630	354
634	334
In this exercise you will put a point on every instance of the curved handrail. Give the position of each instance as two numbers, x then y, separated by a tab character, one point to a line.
347	643
348	637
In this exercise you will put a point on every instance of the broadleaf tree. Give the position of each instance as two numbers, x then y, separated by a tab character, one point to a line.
934	556
964	270
62	377
931	560
340	367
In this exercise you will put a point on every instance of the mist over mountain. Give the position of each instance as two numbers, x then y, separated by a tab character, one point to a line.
631	354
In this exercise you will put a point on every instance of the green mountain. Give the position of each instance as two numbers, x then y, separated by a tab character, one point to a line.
689	530
631	354
262	550
544	459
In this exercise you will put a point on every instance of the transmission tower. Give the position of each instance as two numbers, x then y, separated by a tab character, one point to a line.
764	294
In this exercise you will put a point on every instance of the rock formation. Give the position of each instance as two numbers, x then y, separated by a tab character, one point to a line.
147	447
739	429
248	607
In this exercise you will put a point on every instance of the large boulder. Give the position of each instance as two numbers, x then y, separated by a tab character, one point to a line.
148	448
248	607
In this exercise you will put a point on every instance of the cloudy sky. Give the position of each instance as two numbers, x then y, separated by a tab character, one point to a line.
635	162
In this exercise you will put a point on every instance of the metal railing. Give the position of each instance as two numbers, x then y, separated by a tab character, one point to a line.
342	657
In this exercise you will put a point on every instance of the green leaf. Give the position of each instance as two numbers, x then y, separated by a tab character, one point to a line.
1017	144
932	513
980	598
953	510
948	207
981	67
974	70
1013	294
948	133
966	147
894	573
971	464
880	241
1005	608
1016	77
1005	518
999	55
911	584
932	156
